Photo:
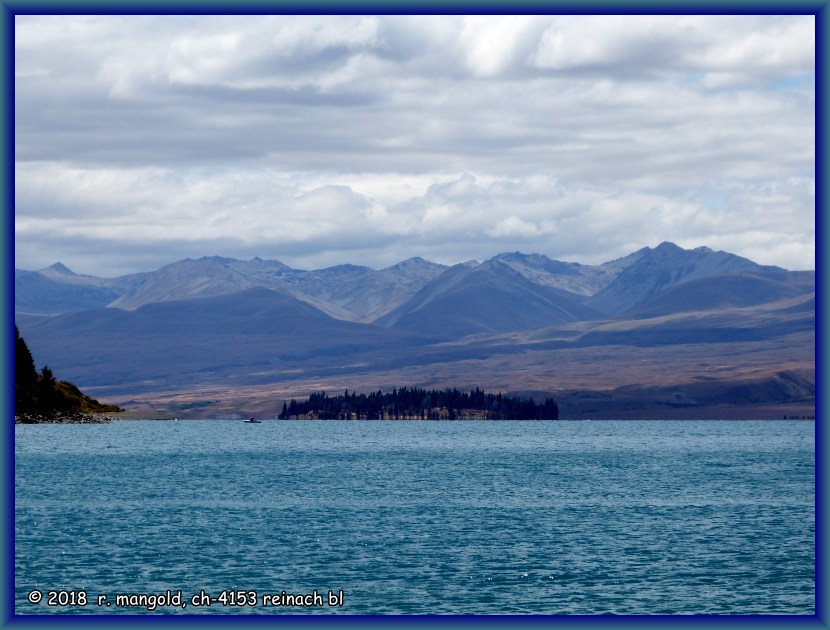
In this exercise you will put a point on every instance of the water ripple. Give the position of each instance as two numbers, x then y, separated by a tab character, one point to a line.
423	518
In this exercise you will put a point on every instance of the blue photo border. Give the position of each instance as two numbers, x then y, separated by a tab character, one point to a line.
10	8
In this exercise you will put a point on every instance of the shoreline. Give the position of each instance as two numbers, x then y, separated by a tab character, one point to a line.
63	418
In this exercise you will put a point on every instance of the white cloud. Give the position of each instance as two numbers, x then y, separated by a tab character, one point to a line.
290	217
368	139
747	47
514	226
494	45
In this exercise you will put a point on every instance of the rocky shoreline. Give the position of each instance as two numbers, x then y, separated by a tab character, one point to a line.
62	417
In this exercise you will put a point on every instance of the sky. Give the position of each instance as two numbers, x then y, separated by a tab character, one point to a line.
324	140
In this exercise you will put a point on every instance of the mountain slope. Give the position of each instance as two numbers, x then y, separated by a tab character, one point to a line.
575	278
36	293
359	293
233	338
683	316
204	277
665	266
729	290
347	292
727	325
486	298
57	289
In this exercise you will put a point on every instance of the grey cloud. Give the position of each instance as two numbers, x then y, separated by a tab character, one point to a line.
617	132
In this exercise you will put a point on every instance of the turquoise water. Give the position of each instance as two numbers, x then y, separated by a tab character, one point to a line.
415	517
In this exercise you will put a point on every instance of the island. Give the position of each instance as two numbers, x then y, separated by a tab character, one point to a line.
412	403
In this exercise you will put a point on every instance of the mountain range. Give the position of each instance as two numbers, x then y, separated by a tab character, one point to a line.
216	334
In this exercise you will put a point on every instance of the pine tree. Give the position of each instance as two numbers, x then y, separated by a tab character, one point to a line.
42	395
25	375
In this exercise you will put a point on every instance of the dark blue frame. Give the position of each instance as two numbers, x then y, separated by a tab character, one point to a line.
10	8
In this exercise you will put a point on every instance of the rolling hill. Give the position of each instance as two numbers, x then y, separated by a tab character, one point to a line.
724	291
241	337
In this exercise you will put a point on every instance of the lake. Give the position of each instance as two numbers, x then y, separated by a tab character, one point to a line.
414	517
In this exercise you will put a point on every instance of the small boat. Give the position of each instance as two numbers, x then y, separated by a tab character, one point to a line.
251	421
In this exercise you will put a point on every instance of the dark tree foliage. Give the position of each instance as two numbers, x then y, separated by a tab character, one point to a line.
24	364
25	375
414	403
42	394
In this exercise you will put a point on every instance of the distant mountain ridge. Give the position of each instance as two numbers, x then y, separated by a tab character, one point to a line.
346	292
57	289
576	278
663	267
504	322
491	297
362	294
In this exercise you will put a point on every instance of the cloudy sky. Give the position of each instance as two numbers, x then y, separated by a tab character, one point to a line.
141	140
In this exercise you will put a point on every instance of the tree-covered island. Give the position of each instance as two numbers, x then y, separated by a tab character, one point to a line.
419	404
40	397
